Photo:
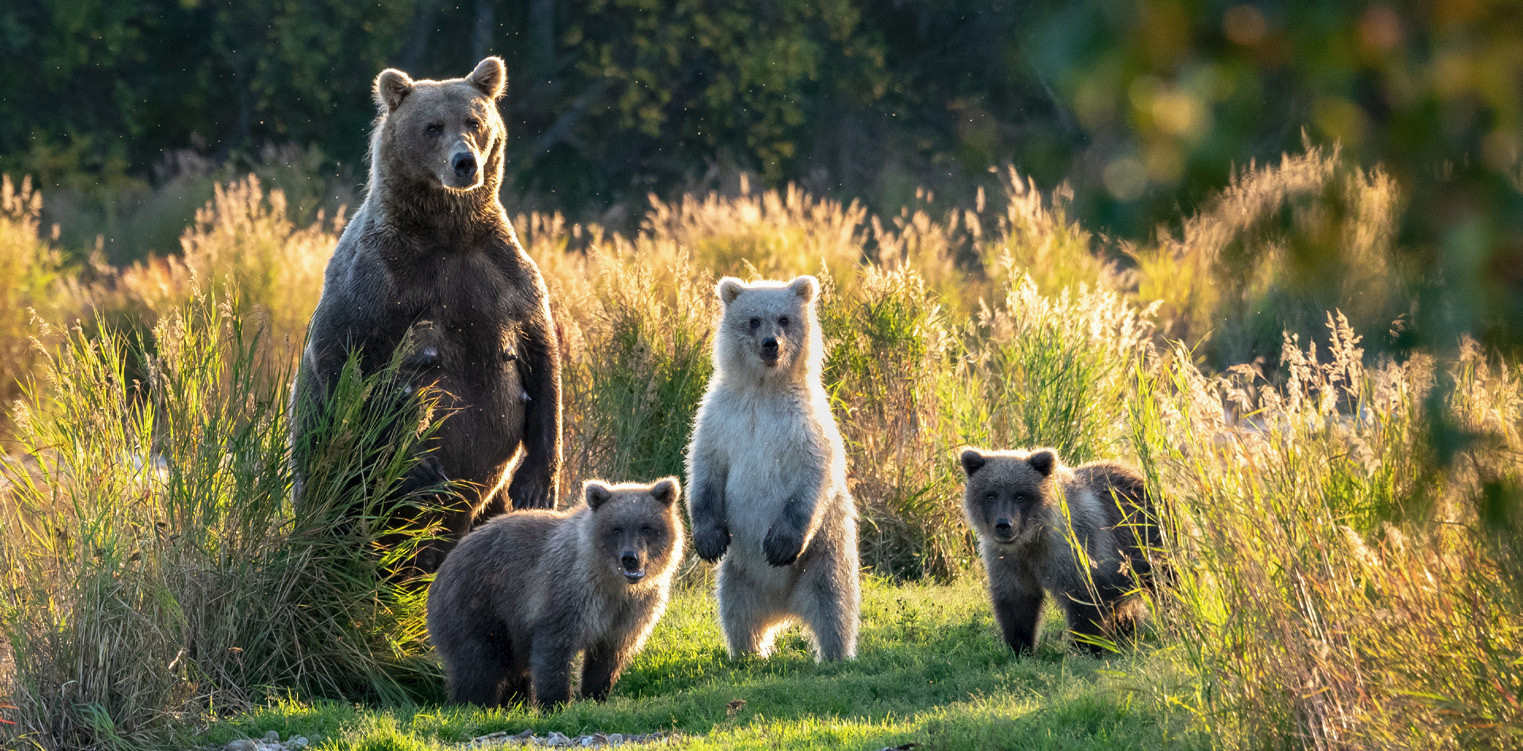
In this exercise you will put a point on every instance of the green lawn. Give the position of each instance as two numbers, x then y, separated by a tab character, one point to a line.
931	671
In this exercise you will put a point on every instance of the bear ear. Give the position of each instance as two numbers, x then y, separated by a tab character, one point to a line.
730	288
490	77
666	491
596	493
806	287
1042	461
972	460
391	87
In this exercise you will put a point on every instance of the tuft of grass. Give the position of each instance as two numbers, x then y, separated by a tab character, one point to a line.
153	570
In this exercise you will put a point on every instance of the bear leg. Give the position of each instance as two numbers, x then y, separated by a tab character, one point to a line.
1018	610
748	613
828	599
478	673
600	669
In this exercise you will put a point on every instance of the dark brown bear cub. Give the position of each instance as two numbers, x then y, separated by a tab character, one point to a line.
524	593
430	257
1014	501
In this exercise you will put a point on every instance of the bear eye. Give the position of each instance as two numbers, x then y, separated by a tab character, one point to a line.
646	531
755	323
783	321
989	497
434	129
616	531
473	124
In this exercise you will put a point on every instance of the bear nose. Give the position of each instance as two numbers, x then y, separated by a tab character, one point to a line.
1002	525
770	345
464	164
630	561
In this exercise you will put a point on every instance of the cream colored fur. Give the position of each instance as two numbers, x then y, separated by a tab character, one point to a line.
767	470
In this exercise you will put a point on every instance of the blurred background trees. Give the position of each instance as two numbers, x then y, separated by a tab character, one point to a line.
1147	107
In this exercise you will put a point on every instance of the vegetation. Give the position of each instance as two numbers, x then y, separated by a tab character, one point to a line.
1344	524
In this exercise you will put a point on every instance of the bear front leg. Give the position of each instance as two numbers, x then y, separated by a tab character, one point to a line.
706	502
1017	608
535	481
550	663
785	539
600	670
1088	622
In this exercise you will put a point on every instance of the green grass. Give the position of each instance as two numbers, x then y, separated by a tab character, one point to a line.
932	670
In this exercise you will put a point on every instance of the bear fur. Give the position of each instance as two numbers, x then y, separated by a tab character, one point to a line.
524	593
767	476
1013	500
431	258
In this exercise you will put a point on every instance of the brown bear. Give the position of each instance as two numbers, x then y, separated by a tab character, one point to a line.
1014	501
430	257
523	594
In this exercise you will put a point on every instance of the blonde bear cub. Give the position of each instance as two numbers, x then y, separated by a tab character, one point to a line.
767	476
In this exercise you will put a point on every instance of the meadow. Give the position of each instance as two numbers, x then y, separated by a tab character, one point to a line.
1343	513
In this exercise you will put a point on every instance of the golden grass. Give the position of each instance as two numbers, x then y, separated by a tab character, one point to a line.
1345	527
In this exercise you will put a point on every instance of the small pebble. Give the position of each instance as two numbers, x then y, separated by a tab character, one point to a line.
272	737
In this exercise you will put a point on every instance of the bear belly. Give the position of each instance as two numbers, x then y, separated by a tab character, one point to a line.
483	429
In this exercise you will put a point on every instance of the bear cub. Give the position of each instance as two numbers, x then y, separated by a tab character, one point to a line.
524	593
767	476
1013	500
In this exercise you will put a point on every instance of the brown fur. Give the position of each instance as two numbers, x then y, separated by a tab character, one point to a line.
523	594
431	253
1013	501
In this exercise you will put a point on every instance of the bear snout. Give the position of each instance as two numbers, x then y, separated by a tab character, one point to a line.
464	165
769	351
631	567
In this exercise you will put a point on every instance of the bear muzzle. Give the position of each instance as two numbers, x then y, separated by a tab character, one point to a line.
769	352
631	567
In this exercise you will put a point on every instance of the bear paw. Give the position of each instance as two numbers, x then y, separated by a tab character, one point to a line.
530	490
783	545
710	542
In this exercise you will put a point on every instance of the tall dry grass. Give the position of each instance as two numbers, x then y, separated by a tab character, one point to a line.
1341	585
151	568
1345	527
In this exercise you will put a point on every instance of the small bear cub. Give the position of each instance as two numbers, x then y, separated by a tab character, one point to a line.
767	476
1014	502
523	594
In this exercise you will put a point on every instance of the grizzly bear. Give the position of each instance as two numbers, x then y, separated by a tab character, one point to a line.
430	256
767	476
524	593
1014	500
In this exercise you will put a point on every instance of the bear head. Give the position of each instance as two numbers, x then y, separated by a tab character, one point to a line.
768	328
444	134
1010	494
637	529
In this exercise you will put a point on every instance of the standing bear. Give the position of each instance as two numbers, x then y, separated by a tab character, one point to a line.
430	259
1014	500
527	591
767	476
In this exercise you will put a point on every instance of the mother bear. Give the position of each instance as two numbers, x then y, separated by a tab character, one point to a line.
431	259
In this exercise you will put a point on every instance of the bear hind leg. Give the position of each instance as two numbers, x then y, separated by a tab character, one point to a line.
828	599
748	614
481	674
